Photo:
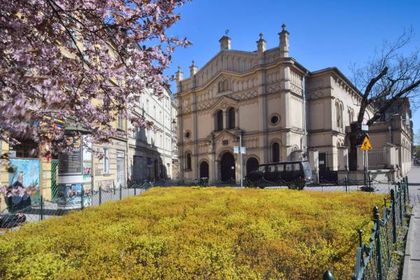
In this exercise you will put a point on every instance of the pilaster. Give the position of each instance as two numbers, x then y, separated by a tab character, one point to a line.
194	158
180	142
237	124
4	175
45	166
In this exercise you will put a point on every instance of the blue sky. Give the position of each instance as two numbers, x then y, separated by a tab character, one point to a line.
323	33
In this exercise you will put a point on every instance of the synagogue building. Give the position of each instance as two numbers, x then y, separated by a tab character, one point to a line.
273	105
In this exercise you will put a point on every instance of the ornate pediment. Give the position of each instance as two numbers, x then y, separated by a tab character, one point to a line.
226	61
225	137
224	102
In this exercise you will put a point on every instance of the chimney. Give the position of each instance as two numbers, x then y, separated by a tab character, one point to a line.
284	41
224	43
193	69
261	44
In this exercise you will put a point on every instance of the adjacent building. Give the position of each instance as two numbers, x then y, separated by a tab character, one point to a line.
133	156
140	154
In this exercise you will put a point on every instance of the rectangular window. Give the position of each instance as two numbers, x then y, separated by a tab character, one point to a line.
120	121
106	161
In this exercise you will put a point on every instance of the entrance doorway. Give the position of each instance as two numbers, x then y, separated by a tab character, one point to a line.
204	170
121	169
251	165
227	167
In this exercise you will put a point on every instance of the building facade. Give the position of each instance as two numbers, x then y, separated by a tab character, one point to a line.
134	155
278	109
140	154
151	151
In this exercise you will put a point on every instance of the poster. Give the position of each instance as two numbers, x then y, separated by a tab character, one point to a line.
24	178
71	195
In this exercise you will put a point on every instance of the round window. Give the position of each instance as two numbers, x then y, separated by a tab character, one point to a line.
275	119
187	134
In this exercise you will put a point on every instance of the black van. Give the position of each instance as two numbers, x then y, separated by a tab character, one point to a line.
293	174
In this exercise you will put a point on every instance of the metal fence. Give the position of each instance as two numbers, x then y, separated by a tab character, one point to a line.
59	201
375	259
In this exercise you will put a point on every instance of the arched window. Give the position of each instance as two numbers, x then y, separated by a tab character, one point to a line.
339	115
218	120
231	118
275	152
188	161
351	115
223	86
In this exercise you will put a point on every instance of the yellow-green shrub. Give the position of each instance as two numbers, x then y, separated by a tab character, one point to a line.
195	233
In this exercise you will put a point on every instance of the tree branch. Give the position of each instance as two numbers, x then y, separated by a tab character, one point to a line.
391	101
365	100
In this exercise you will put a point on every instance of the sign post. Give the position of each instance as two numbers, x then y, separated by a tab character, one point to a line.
365	147
240	150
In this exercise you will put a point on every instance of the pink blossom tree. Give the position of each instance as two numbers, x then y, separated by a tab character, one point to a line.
79	63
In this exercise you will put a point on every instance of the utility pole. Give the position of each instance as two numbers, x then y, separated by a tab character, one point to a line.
240	158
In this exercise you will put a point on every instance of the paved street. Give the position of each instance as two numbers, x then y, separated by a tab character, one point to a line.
412	255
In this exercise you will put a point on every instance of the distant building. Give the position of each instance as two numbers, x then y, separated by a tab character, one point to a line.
141	154
151	151
393	137
282	111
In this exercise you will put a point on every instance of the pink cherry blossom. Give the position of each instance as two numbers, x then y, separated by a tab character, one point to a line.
58	56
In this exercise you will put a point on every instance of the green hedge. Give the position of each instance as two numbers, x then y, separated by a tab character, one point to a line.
195	233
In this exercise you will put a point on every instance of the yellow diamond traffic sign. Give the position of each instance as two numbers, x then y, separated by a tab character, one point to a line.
366	145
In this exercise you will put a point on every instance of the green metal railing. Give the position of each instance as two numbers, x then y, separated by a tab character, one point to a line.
375	259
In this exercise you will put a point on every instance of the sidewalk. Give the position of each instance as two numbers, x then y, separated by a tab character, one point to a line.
411	270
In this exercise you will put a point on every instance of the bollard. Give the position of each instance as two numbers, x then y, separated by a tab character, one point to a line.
328	275
41	213
360	232
401	203
347	184
378	242
82	194
404	187
100	195
120	191
394	224
91	194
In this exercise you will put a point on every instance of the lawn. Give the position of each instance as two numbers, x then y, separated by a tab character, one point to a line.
195	233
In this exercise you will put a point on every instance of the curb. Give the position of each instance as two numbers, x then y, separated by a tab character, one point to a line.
407	254
408	247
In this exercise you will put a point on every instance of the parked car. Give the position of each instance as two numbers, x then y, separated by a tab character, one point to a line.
293	174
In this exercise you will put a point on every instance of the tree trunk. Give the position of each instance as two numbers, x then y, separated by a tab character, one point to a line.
354	141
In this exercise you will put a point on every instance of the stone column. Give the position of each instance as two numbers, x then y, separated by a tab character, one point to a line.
237	125
237	168
194	158
45	166
4	175
212	161
180	141
314	162
225	119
